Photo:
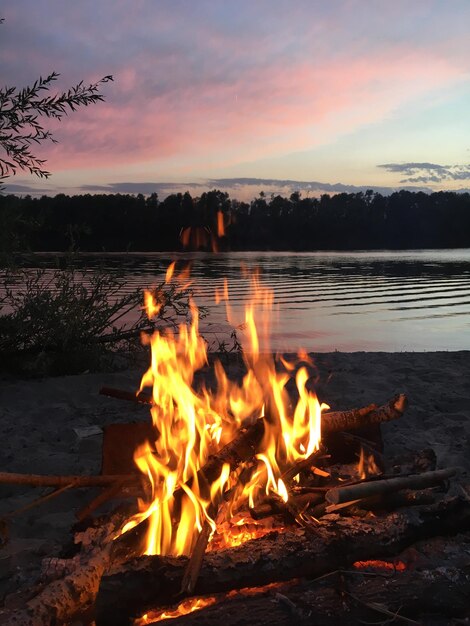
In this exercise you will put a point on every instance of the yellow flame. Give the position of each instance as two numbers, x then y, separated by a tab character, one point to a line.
367	465
170	271
193	423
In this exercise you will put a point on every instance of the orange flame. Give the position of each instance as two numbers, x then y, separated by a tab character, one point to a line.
192	424
197	603
367	465
184	608
220	224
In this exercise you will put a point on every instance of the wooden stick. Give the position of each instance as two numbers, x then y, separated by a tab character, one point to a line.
336	421
275	506
338	495
133	396
193	568
100	499
302	465
126	334
38	501
39	480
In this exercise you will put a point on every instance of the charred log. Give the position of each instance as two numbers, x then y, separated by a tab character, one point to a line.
366	489
429	596
147	582
276	506
121	394
336	421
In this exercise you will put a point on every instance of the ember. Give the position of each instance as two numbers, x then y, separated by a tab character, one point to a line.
185	607
196	604
375	565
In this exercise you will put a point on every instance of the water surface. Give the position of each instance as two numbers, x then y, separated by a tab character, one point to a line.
348	301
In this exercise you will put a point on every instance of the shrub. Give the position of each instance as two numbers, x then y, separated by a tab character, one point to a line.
65	321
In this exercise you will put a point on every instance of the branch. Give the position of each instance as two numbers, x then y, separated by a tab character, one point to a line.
338	495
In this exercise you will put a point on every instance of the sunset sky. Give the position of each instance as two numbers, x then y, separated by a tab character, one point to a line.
302	94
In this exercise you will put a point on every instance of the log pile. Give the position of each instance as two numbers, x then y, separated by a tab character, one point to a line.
148	582
332	520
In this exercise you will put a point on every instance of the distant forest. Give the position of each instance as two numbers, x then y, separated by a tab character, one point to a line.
345	221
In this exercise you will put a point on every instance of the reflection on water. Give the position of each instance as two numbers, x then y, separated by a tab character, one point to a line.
393	301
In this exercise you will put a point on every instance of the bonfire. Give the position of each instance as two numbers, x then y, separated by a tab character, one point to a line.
240	489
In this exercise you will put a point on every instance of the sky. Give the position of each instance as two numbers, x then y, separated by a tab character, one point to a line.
274	95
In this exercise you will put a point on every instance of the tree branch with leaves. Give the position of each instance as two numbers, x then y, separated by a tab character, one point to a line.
21	125
21	113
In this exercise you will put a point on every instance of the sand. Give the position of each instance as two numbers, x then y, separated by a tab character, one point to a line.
39	418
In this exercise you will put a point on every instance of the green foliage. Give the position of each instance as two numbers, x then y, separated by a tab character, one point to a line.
64	321
20	124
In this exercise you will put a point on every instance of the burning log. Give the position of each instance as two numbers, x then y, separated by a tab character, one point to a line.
193	568
146	582
302	465
336	421
414	597
245	444
275	506
338	495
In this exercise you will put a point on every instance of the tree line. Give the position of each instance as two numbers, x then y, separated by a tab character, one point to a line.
345	221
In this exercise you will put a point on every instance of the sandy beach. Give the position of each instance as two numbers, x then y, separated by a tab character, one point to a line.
41	422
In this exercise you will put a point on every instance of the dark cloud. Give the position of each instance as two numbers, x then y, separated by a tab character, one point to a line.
241	188
144	188
28	189
241	185
428	172
314	187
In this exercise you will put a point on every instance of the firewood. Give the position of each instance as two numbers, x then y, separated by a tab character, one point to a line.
416	597
336	421
59	601
302	465
122	394
241	448
48	496
39	480
107	494
338	495
193	568
275	506
133	588
244	446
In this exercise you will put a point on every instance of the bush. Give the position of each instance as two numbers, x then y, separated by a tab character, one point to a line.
67	321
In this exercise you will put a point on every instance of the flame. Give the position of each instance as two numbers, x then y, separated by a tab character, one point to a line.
220	224
197	603
152	307
193	423
184	608
367	465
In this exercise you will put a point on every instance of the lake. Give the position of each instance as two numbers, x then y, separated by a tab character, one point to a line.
347	301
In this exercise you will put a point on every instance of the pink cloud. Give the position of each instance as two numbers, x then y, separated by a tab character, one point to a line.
280	108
